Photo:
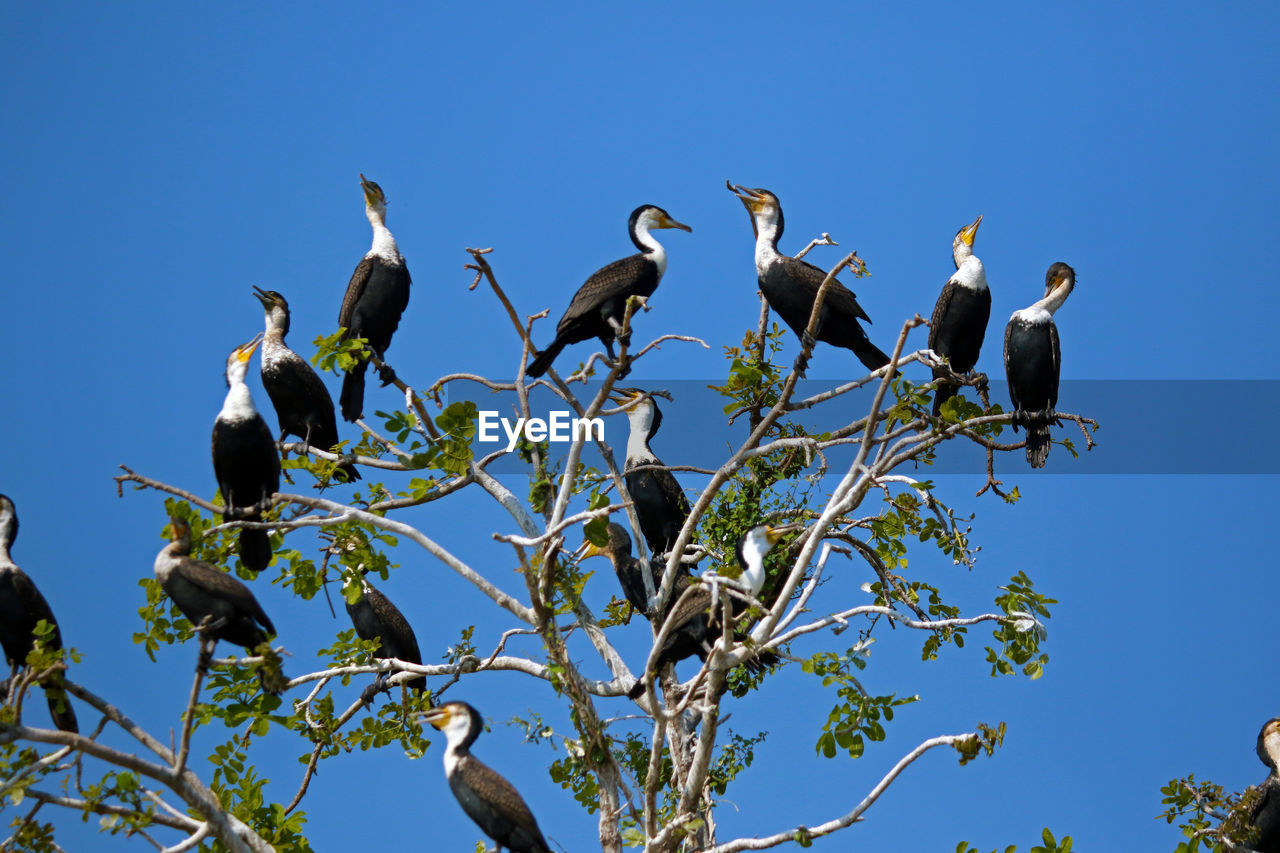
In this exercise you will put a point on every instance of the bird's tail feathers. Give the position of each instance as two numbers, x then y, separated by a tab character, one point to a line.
871	356
944	392
64	716
255	546
349	471
351	399
1038	443
541	364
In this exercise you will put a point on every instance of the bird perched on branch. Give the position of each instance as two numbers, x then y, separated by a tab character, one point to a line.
217	604
791	285
376	296
694	617
376	618
1033	361
630	571
245	460
960	316
21	609
1265	815
660	503
598	308
487	798
302	403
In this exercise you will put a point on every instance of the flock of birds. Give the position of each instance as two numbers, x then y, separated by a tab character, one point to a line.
247	467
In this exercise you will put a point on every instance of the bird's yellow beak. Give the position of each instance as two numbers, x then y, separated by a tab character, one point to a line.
668	222
437	717
373	194
970	231
245	351
751	200
624	396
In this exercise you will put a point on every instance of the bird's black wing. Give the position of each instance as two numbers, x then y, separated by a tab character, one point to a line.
355	289
940	312
223	586
671	490
1265	816
401	642
37	608
1055	353
634	275
695	605
1008	361
494	803
839	298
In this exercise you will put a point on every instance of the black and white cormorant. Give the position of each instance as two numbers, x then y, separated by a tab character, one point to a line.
1032	362
629	570
245	460
599	306
695	627
959	321
376	296
302	403
791	285
203	592
660	503
21	608
376	618
1265	816
487	798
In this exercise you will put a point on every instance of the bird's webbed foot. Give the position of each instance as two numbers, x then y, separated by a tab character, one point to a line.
386	375
808	341
379	685
801	365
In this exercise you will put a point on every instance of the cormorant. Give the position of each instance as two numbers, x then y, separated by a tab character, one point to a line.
695	627
1032	361
487	798
376	296
302	403
660	503
598	308
201	591
245	460
1265	816
791	285
21	607
376	618
628	569
960	316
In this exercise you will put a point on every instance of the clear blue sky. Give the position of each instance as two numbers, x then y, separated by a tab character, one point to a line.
161	159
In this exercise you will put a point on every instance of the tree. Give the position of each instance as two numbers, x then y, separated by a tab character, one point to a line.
655	788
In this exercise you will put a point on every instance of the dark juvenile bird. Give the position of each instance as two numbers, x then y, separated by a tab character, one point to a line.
1265	816
695	627
376	296
21	608
960	316
203	592
302	403
630	571
1033	361
660	503
599	306
245	460
376	618
791	285
487	798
